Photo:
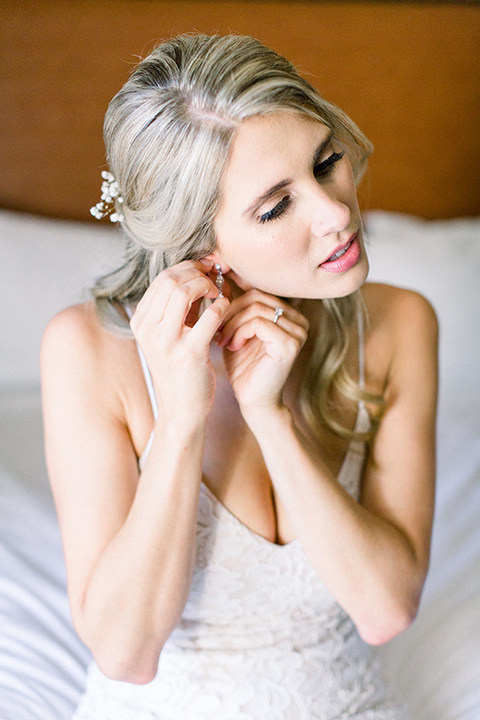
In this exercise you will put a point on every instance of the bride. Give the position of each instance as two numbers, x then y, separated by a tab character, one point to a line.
239	429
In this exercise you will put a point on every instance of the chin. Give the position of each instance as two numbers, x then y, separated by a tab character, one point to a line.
353	279
346	283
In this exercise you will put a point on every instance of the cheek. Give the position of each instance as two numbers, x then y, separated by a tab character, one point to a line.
260	262
267	254
241	247
272	270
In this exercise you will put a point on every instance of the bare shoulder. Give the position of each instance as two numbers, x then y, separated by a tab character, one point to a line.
80	354
402	334
398	308
76	328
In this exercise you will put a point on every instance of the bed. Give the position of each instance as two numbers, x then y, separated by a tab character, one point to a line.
427	238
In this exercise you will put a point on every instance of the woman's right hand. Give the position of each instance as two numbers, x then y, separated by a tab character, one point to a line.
176	341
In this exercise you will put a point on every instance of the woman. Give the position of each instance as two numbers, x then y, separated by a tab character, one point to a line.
232	548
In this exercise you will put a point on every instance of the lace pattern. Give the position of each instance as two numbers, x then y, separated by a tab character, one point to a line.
260	637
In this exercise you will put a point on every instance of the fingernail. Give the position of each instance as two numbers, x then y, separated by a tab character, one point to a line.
206	262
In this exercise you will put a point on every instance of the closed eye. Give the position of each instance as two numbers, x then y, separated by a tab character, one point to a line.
324	168
277	211
321	170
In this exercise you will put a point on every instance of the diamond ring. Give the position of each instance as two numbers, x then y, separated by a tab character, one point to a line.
278	312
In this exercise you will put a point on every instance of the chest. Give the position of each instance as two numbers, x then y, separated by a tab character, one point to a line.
236	473
234	470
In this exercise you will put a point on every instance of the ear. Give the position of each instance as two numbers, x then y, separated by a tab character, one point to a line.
216	258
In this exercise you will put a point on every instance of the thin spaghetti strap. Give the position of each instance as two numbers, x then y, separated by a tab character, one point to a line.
363	423
361	349
146	372
149	382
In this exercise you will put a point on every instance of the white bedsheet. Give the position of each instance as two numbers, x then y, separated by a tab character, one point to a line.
42	660
435	664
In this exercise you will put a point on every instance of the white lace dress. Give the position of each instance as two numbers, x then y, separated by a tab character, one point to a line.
261	637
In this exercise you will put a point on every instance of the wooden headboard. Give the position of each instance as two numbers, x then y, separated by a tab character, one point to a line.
407	73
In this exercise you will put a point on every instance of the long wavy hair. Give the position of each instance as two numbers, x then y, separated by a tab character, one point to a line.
168	134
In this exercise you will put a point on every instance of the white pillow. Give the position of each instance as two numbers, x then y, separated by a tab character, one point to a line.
45	265
441	260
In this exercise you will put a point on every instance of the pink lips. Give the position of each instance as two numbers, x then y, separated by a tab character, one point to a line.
347	260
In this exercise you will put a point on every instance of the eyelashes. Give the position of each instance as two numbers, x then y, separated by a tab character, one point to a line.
321	170
326	166
278	210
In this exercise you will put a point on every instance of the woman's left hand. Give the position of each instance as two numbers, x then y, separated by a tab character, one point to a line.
258	353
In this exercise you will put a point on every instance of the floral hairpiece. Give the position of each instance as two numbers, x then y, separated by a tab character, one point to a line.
106	206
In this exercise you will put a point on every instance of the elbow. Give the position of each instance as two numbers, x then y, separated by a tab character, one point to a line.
137	665
135	676
393	613
122	657
385	626
139	672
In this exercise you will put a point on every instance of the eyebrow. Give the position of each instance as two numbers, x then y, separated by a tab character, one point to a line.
283	183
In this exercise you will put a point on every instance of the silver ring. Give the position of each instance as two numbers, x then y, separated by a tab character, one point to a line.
278	312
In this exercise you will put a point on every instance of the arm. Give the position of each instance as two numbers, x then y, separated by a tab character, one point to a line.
372	555
128	539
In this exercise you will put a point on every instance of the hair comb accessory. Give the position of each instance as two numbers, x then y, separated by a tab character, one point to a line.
219	280
110	193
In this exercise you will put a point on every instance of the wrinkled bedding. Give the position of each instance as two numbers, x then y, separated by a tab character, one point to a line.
435	664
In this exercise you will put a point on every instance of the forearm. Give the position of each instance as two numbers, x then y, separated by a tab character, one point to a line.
139	586
368	563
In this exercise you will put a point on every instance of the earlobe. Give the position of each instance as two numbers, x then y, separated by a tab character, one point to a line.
217	260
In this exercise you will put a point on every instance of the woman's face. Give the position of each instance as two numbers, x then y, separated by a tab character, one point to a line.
289	222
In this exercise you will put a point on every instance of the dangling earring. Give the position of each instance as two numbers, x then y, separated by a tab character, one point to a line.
219	280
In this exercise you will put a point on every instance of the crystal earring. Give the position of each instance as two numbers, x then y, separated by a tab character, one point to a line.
219	280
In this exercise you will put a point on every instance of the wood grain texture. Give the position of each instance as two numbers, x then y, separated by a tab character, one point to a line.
407	73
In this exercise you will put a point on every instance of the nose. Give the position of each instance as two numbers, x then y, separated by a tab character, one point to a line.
329	214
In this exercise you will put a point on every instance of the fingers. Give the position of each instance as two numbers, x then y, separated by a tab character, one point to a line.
170	305
209	322
181	300
279	344
174	290
267	304
254	306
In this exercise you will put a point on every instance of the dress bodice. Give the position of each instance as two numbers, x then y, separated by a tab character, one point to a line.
260	638
243	582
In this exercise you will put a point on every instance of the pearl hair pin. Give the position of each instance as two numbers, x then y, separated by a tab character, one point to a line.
106	206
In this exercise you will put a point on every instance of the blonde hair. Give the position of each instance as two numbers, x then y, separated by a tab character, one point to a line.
168	134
